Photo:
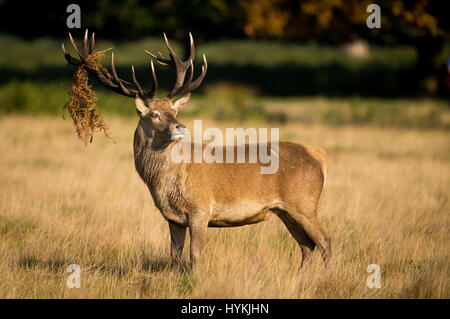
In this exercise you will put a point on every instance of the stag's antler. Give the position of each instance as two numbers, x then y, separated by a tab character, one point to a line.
117	84
101	74
181	67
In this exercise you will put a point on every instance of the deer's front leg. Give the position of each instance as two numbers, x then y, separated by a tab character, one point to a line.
177	237
197	230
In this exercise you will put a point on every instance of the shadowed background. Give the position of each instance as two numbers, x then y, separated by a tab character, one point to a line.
257	48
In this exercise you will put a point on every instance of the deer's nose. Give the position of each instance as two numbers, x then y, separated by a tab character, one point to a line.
179	128
178	132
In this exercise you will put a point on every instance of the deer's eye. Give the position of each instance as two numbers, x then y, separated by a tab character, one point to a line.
154	115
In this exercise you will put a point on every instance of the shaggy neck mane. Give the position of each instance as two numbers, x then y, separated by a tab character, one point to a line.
163	177
151	155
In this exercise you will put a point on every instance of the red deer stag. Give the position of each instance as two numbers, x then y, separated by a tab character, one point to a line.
202	195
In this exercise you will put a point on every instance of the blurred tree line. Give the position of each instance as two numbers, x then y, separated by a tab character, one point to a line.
324	20
421	23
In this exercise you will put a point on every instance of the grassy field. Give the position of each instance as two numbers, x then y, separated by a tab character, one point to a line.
386	202
225	101
273	68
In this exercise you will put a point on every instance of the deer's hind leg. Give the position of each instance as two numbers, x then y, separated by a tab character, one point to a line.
310	223
306	244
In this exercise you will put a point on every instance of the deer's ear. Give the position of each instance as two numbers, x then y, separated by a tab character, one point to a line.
141	108
179	104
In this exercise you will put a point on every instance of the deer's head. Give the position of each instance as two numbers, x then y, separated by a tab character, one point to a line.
157	115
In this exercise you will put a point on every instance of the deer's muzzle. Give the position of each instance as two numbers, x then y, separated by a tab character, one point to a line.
178	132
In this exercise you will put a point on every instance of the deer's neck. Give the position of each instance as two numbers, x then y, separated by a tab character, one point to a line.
152	157
164	178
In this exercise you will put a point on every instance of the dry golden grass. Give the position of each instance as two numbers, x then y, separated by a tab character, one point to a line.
386	202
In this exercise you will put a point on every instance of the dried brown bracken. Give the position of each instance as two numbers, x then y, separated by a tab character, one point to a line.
82	105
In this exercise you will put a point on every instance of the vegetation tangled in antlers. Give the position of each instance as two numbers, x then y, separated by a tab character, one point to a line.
82	105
